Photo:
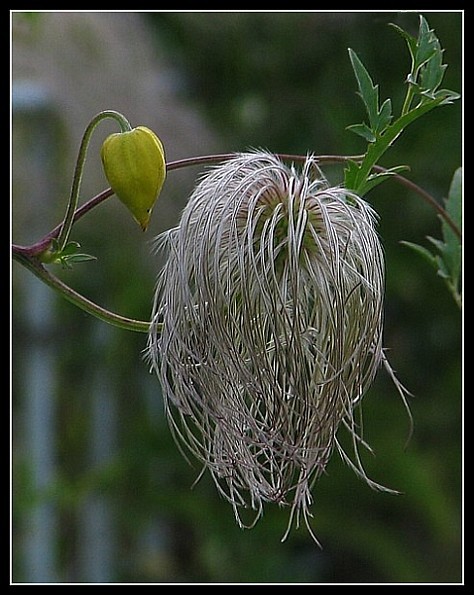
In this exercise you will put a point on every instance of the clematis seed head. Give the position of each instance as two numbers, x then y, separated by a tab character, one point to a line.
267	327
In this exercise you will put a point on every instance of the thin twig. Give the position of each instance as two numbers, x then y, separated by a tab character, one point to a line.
426	197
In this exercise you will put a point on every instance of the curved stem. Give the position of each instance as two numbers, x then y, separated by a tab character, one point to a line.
426	197
81	158
32	264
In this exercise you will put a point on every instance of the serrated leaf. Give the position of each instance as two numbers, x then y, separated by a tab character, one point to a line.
446	96
410	40
422	47
439	244
375	179
426	44
427	69
448	261
451	246
441	97
432	73
454	202
443	269
350	175
439	265
453	207
422	251
384	115
364	131
367	90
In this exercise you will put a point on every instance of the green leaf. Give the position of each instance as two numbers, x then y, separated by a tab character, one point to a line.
423	252
432	73
448	260
384	115
81	258
427	68
70	248
450	247
377	178
381	132
67	261
454	202
426	45
410	40
443	270
351	173
364	131
441	97
68	255
367	90
439	244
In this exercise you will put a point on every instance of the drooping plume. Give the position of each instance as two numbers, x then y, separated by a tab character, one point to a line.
267	327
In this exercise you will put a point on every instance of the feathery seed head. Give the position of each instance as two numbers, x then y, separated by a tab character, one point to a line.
271	303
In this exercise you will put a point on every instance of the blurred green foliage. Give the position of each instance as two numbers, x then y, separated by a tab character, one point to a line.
282	81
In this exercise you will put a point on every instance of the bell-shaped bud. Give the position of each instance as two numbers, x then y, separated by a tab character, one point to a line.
135	167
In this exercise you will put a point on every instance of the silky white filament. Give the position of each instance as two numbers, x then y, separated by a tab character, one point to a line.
267	327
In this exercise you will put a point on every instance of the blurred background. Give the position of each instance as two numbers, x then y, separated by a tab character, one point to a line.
100	491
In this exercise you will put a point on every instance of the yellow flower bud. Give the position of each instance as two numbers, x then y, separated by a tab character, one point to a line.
135	167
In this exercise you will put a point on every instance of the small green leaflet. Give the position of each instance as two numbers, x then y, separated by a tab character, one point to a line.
69	254
352	170
446	260
422	48
379	117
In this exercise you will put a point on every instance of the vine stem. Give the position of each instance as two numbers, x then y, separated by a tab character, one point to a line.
37	268
77	178
29	256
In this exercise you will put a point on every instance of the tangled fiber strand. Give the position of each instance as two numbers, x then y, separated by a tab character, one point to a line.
271	312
